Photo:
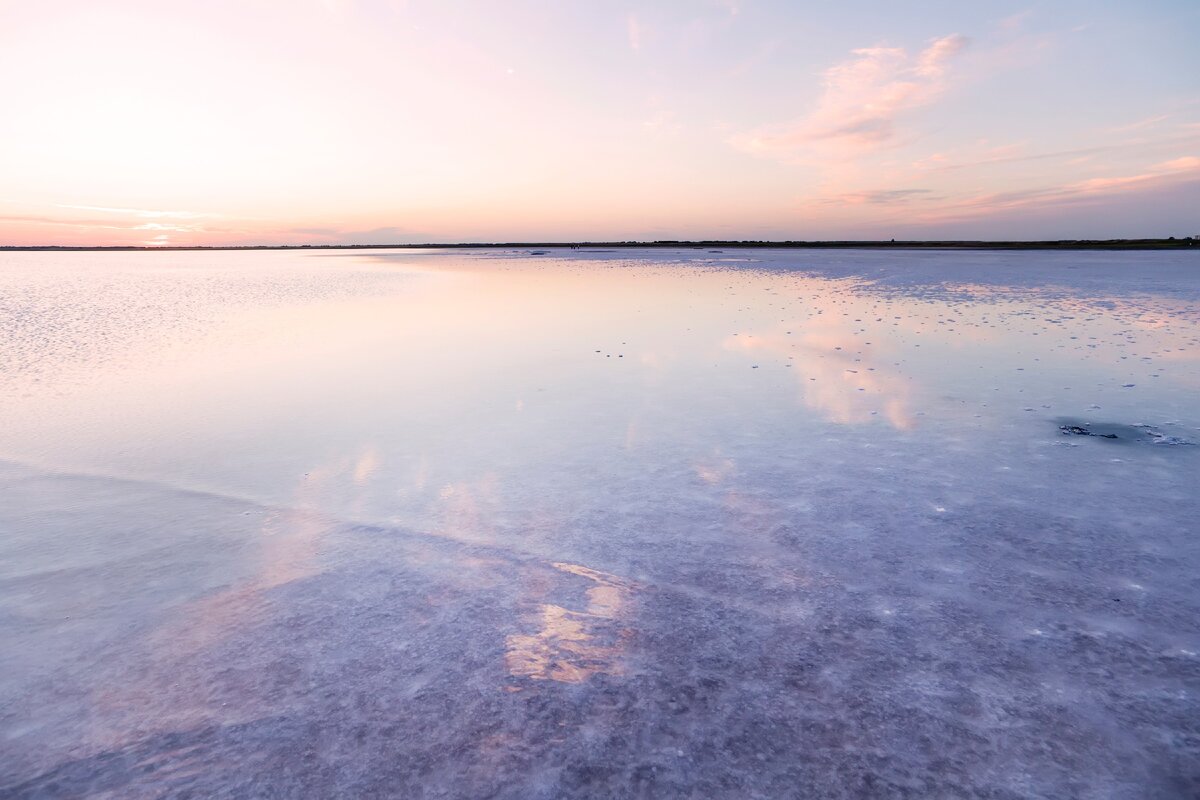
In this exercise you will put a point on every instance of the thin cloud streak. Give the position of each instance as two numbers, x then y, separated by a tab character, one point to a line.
1159	176
878	197
933	166
1141	124
140	212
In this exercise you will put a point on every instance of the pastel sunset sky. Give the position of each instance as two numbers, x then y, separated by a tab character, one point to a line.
385	121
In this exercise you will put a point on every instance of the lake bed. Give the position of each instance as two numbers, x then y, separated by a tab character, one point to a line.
748	523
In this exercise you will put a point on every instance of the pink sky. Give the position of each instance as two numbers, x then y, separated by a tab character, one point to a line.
338	121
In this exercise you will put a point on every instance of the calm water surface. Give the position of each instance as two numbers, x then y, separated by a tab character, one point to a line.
600	524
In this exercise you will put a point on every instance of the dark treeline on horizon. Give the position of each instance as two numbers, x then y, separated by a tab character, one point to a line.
1170	243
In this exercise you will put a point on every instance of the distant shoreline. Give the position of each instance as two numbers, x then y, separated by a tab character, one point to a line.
1062	244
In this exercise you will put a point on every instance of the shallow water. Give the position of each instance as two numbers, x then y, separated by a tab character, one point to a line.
758	523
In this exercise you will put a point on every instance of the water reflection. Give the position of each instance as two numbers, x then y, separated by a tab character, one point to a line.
570	646
496	432
288	549
715	469
470	510
841	375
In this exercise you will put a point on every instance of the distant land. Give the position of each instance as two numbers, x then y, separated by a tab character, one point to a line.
1171	243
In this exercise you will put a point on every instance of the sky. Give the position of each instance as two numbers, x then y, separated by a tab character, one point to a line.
394	121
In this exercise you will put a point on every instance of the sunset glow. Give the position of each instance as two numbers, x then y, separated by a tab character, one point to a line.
385	121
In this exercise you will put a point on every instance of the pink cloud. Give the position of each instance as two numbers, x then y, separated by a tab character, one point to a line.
877	197
910	205
1158	176
141	212
633	30
861	101
1178	165
982	154
732	7
1148	122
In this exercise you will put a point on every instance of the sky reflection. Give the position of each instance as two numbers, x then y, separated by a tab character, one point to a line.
462	371
571	645
842	377
289	505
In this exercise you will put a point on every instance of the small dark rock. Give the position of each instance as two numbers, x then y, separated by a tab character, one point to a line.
1076	430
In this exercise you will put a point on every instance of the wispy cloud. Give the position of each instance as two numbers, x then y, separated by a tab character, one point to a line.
71	223
922	209
878	197
633	32
315	231
158	226
860	104
139	212
972	157
1174	172
1141	124
1014	22
139	224
1183	164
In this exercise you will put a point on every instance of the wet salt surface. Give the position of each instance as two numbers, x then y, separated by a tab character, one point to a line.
501	524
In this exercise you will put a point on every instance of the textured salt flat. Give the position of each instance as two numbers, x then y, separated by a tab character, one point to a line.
587	524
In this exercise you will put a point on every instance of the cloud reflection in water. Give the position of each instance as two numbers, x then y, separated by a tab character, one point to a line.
571	646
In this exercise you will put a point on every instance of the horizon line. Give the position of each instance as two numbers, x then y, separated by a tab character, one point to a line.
1171	242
